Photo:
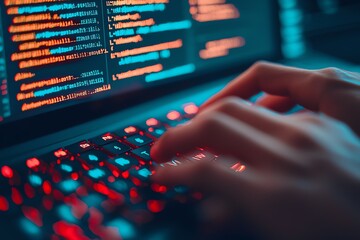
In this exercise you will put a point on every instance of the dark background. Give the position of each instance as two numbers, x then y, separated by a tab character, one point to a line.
332	27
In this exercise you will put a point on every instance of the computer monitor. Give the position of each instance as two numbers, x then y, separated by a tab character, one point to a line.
61	57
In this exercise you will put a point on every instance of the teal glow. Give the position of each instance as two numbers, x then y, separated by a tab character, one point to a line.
96	173
122	162
164	27
141	8
181	189
293	50
144	173
64	212
66	168
139	58
120	186
159	131
139	140
29	227
165	53
126	230
69	185
288	3
291	17
178	71
93	200
35	180
93	158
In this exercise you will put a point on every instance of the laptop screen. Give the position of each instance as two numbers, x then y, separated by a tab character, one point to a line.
58	53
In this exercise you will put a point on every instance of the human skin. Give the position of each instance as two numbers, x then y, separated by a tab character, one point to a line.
302	177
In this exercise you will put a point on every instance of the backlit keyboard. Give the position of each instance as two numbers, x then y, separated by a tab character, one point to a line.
97	188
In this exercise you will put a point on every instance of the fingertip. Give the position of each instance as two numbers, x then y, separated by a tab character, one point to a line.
156	153
168	175
158	176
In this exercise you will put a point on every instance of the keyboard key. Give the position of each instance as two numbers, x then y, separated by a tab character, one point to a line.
33	163
93	156
68	186
117	148
79	147
65	168
191	109
104	139
139	140
143	153
152	122
120	185
97	173
127	131
200	155
173	115
143	174
177	161
68	166
61	153
156	132
124	162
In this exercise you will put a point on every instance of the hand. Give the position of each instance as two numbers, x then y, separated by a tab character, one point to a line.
331	91
303	171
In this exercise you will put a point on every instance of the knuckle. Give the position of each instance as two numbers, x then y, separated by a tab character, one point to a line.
227	105
208	126
299	138
259	65
330	71
330	78
210	121
311	118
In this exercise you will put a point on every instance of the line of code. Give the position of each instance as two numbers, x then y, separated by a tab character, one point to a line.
56	47
145	38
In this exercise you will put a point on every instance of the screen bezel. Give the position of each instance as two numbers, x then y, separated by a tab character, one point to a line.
24	130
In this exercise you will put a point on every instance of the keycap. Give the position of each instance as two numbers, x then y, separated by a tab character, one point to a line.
116	148
93	156
156	132
120	185
68	166
97	173
143	174
61	153
143	153
139	140
200	155
124	162
127	131
79	147
191	110
102	140
152	122
173	115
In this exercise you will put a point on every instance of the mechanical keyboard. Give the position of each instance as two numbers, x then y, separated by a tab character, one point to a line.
98	188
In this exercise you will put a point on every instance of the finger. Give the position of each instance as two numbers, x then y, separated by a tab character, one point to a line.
196	176
247	113
222	134
304	87
276	103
